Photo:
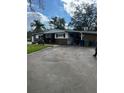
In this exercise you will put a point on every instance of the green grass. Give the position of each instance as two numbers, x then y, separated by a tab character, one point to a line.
34	47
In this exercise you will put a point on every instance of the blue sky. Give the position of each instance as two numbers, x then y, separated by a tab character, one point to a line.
52	8
55	8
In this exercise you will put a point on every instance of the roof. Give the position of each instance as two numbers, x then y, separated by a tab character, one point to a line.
63	31
55	31
85	32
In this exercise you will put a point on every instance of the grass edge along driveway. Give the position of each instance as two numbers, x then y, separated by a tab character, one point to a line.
35	47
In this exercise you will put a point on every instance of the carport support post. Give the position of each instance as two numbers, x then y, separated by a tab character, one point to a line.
32	38
81	41
82	36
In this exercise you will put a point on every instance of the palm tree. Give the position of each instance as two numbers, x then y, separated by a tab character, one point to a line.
39	27
59	23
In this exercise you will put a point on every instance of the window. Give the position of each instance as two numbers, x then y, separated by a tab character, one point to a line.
60	35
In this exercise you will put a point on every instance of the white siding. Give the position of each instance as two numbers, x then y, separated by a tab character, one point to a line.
66	35
37	36
32	38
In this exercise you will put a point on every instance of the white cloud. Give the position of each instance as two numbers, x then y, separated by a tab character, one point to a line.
31	16
28	4
69	3
38	15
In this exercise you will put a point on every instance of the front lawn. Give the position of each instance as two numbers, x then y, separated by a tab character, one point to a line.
35	47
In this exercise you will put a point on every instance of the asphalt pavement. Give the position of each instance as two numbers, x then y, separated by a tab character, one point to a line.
62	69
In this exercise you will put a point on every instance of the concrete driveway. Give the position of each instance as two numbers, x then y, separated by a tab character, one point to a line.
62	70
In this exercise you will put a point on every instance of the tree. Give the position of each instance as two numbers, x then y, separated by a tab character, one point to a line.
39	27
85	15
58	23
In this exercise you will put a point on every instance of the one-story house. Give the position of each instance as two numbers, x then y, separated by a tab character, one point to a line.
67	37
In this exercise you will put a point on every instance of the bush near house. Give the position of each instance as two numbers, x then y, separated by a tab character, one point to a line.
35	47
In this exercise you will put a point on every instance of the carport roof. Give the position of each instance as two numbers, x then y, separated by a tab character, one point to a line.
84	32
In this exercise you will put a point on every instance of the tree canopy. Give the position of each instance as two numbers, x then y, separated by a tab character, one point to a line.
85	15
58	23
38	26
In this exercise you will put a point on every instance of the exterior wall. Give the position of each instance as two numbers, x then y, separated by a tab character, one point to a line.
90	40
90	37
61	41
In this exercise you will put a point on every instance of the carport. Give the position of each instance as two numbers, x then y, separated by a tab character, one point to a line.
82	38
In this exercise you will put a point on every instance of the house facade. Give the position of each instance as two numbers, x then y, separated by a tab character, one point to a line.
67	37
